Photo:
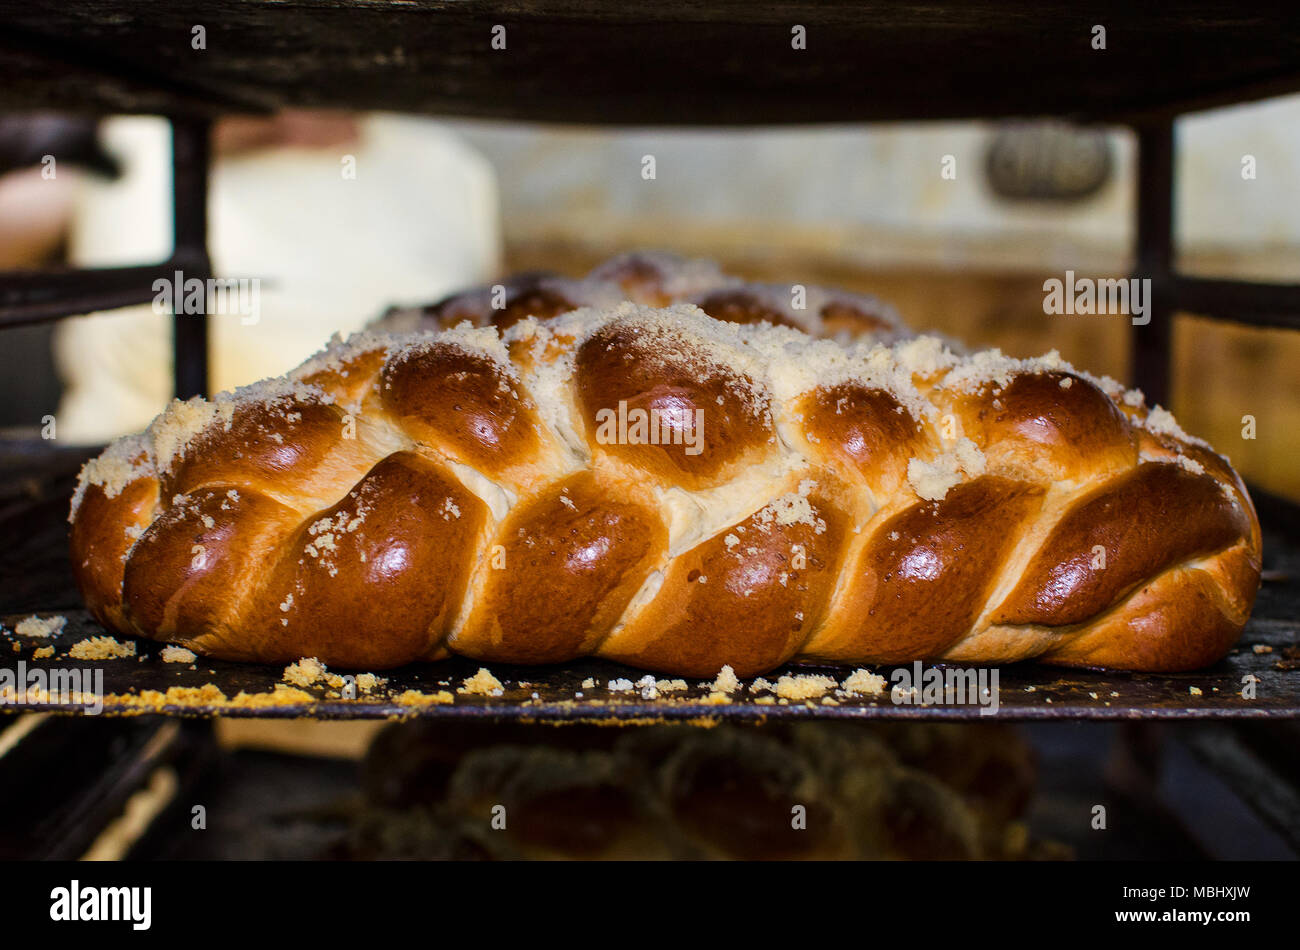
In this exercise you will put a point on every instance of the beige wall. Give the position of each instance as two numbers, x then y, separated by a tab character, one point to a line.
874	195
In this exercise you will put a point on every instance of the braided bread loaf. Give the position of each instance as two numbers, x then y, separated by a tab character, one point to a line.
657	279
673	492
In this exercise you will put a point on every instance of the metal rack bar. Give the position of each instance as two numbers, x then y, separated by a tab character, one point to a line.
1154	258
83	774
1256	304
191	157
1269	793
28	297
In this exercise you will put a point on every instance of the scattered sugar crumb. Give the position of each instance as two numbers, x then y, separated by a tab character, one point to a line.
305	672
804	686
727	681
154	700
34	626
369	682
864	683
280	695
413	697
482	683
175	654
101	648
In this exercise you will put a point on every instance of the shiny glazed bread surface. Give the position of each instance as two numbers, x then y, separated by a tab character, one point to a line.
490	493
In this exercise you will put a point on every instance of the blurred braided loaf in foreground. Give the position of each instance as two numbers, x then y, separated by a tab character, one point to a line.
673	492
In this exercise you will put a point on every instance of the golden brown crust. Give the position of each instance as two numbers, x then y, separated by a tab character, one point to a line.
400	546
520	297
639	277
867	431
622	372
261	444
925	574
739	306
1131	528
841	316
747	597
101	536
460	403
587	549
795	499
539	303
1047	430
1178	622
348	381
184	575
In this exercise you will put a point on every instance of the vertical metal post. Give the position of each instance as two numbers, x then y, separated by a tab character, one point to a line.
190	159
1153	343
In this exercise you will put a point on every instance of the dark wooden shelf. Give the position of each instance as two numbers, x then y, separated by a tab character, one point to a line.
585	61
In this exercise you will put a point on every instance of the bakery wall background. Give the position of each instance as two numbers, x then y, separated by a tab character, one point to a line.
868	208
903	211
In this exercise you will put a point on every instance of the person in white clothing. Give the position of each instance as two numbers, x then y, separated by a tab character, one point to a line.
335	216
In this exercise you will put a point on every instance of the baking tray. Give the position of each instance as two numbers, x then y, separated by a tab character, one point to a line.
36	481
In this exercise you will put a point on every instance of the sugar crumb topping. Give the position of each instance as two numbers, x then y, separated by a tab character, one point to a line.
727	681
305	672
932	479
101	648
482	683
864	683
804	686
34	626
